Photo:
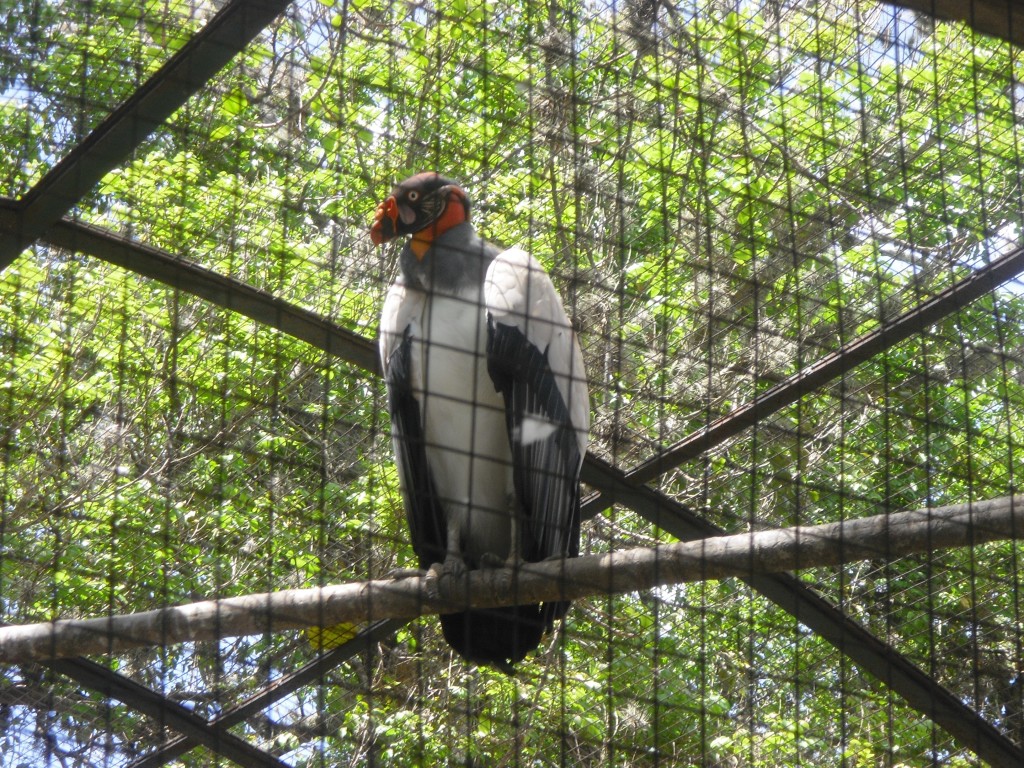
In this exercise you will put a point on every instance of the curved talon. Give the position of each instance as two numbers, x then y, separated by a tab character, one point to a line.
453	566
431	580
490	561
405	573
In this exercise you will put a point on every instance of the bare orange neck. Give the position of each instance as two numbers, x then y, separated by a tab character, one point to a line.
454	214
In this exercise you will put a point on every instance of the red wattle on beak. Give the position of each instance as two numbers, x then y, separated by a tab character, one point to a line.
385	222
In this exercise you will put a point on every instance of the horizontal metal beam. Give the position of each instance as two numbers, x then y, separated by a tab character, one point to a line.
999	18
112	142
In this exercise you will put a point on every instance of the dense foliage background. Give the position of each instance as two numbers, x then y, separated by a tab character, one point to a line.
724	192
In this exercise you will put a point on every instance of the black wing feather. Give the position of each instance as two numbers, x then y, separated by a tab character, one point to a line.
498	636
423	511
545	471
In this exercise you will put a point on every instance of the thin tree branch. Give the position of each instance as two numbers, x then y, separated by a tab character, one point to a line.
742	555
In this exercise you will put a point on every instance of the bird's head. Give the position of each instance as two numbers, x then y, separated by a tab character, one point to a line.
424	206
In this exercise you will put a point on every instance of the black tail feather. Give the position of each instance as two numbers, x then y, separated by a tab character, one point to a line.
500	637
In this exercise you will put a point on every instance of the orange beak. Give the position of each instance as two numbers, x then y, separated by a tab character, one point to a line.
385	222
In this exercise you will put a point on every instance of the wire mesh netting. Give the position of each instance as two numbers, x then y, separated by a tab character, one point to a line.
724	192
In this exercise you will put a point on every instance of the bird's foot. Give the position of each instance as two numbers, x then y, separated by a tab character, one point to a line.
452	567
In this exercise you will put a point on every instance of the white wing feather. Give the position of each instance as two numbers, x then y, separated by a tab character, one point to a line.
518	292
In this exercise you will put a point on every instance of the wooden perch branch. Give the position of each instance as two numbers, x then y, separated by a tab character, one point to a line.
883	537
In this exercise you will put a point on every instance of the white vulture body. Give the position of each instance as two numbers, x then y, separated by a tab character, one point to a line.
470	457
489	409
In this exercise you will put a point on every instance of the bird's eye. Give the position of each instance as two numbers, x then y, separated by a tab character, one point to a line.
413	196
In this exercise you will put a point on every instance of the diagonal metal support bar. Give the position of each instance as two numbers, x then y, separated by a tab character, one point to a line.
999	18
113	141
831	366
276	691
207	284
919	690
215	734
211	735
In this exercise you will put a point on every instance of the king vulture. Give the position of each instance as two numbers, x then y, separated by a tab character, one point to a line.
489	408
